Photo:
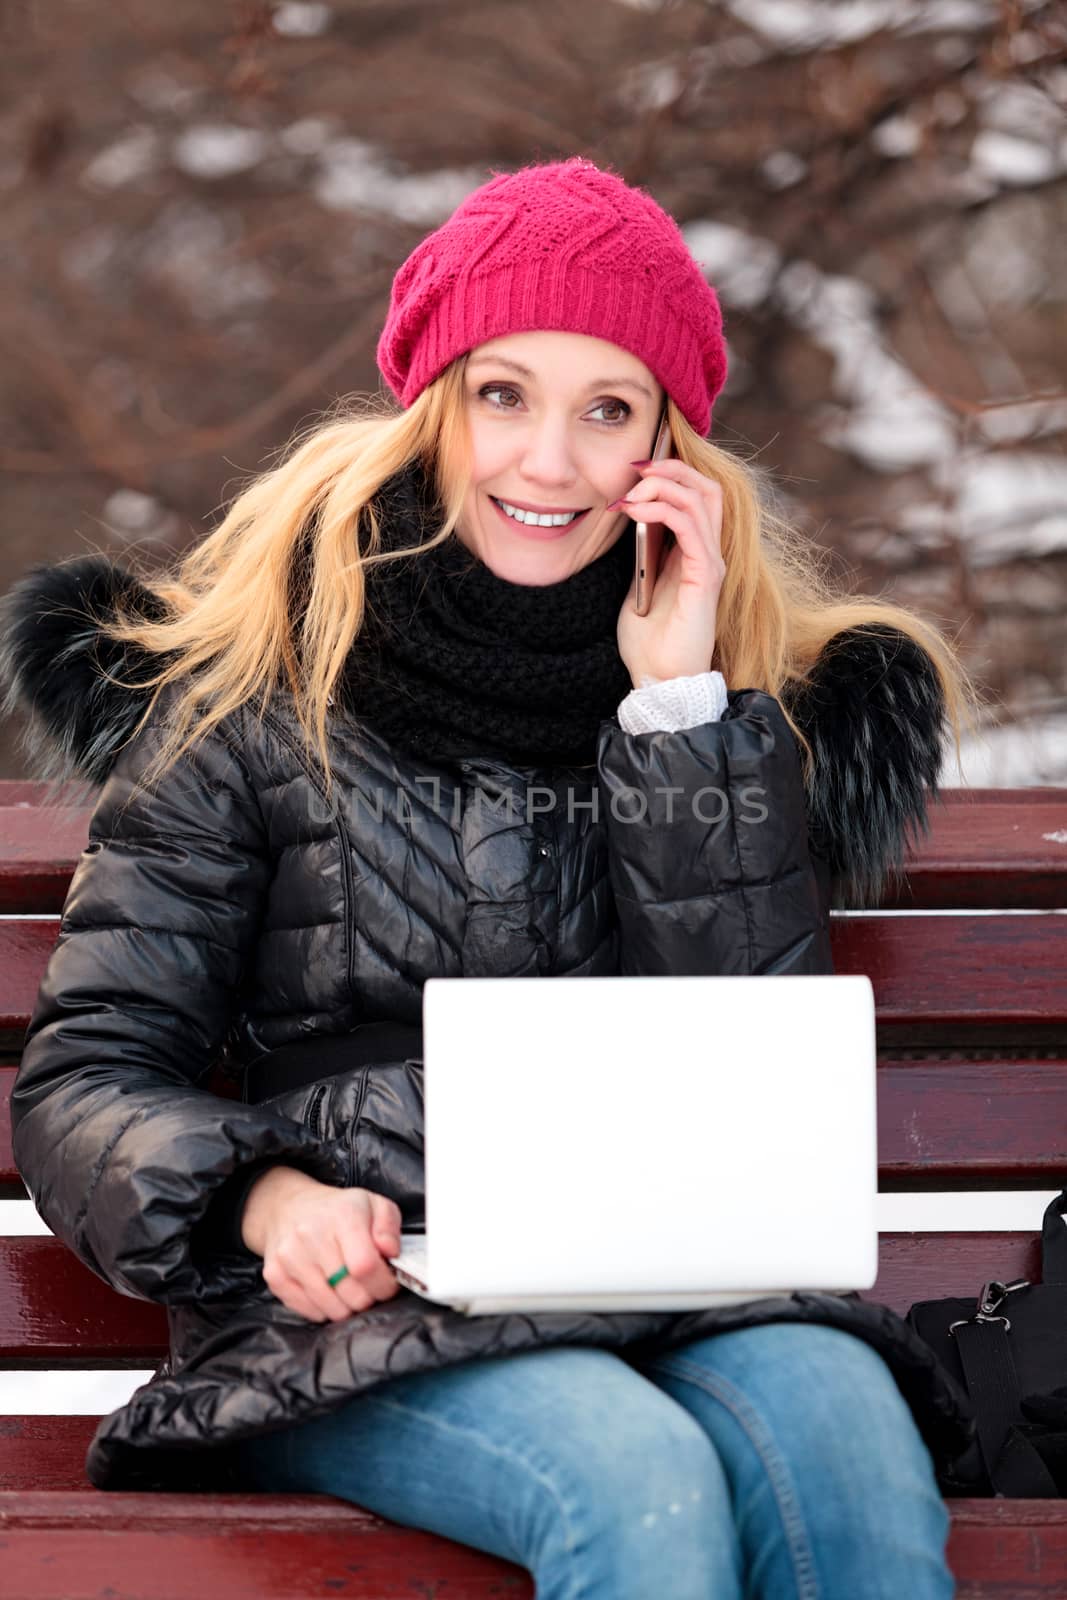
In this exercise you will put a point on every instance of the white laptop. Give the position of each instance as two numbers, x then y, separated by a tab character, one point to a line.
657	1143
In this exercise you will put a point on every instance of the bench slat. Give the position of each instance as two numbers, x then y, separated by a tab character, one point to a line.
32	792
1008	1549
24	951
972	1124
995	981
45	1452
54	1312
990	847
38	853
281	1547
937	1266
936	979
246	1547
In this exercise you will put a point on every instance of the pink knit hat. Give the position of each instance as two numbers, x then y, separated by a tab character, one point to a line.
560	245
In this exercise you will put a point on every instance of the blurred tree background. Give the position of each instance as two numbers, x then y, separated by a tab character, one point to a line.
204	205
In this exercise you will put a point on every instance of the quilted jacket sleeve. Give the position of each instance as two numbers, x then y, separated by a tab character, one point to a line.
118	1144
710	863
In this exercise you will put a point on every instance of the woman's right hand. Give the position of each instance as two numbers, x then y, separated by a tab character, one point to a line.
305	1230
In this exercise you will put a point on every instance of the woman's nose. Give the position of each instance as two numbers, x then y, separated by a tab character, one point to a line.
550	459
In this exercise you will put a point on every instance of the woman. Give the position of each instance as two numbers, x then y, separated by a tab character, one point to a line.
297	736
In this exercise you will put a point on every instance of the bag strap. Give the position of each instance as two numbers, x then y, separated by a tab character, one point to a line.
1054	1242
1012	1464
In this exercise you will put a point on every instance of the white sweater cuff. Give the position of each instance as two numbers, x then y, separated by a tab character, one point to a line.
673	704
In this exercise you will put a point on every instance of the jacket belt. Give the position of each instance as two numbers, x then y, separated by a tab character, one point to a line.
326	1055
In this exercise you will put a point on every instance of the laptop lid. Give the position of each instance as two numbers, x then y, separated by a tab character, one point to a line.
609	1135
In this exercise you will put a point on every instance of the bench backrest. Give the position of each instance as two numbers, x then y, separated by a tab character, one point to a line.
969	967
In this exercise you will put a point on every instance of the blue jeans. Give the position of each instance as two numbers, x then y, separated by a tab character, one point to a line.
777	1461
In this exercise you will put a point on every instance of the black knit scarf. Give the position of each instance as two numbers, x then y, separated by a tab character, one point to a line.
453	660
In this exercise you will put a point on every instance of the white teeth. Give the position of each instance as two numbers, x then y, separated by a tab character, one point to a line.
533	517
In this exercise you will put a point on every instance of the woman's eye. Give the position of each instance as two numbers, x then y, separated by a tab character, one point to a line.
505	389
501	389
620	403
497	388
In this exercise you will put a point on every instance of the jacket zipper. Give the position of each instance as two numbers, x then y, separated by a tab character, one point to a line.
314	1110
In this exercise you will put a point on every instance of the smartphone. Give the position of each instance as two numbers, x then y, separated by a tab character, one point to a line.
649	536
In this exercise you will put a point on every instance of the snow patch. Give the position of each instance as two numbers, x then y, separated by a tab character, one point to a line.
130	157
740	265
214	150
354	176
301	19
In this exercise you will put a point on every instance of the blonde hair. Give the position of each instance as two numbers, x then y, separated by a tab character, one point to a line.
275	595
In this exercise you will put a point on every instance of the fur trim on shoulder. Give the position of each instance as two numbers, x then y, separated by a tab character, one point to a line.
53	661
874	712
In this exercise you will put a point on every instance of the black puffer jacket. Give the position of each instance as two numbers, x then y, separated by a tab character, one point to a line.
230	913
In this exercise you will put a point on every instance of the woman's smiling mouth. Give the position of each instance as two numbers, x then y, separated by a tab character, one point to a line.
535	528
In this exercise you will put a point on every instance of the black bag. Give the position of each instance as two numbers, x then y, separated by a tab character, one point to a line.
1009	1351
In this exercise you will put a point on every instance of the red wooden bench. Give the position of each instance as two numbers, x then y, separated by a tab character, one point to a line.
972	1008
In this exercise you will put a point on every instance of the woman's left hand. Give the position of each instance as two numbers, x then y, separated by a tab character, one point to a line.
677	637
